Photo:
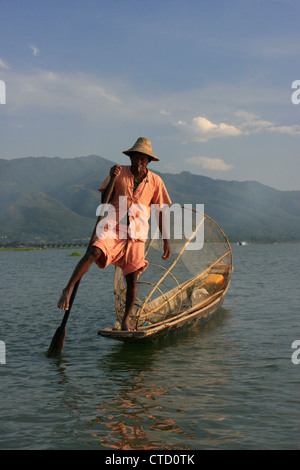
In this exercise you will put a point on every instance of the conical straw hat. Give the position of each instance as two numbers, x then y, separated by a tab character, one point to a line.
142	145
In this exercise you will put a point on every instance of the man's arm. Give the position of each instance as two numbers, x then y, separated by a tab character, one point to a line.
114	171
162	228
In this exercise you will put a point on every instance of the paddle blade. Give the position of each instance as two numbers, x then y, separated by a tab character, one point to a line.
57	342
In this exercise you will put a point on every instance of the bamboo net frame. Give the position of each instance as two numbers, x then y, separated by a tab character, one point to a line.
174	303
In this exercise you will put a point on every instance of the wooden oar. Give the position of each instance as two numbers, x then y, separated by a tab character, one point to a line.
57	342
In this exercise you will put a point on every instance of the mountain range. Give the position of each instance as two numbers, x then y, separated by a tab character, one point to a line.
53	201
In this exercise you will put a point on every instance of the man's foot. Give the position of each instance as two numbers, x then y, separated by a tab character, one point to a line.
125	326
63	302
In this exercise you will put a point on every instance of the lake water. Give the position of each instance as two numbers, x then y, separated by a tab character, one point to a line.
231	384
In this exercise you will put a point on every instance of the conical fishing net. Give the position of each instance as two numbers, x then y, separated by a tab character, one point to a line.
198	270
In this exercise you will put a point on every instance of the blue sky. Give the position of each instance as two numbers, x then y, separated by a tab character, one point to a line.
209	82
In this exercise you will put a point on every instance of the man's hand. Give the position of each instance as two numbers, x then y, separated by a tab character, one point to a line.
115	170
167	250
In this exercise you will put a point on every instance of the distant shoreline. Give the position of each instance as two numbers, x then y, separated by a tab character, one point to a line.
37	248
74	247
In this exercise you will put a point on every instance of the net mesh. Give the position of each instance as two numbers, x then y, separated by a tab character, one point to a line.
198	270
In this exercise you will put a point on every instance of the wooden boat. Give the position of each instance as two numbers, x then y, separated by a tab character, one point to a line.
189	289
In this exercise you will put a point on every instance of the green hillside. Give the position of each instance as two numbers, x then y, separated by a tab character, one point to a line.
54	201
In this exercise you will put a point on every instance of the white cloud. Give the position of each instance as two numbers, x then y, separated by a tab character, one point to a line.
97	91
252	124
210	163
34	49
290	130
3	64
83	96
163	112
92	98
200	129
73	92
252	121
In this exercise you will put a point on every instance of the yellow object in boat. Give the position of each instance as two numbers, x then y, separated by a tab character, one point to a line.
216	279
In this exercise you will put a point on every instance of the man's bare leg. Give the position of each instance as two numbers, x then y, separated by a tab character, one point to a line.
82	267
131	280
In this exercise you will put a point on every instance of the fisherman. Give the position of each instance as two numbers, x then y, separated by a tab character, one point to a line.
123	244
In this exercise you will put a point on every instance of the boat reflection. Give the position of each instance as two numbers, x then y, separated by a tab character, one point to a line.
136	419
134	398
